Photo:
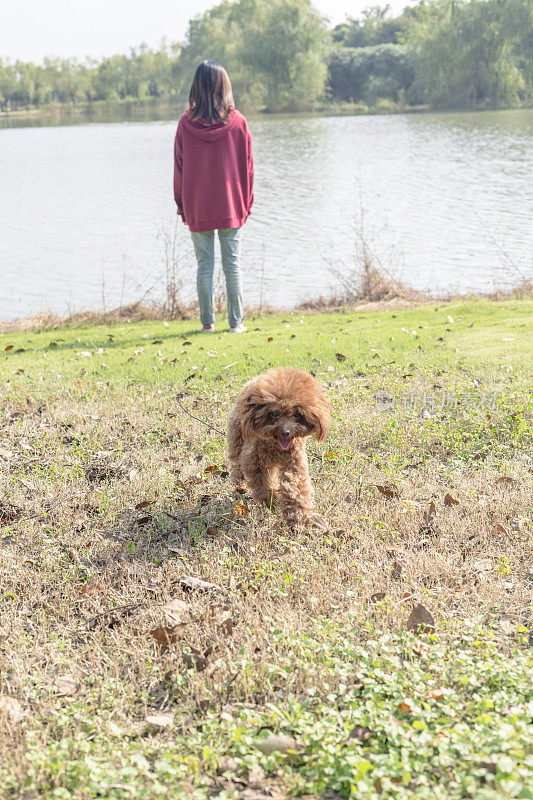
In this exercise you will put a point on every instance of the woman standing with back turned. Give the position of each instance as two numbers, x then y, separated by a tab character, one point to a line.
213	185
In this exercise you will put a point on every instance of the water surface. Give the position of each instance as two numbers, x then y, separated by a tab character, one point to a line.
444	200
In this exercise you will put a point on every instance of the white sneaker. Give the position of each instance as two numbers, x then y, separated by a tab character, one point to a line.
208	328
238	329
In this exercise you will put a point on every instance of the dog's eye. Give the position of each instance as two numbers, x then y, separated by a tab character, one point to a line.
298	417
274	414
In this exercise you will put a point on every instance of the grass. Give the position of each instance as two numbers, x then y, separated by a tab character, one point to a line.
303	635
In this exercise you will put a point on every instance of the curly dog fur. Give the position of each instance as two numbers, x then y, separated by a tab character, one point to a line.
267	429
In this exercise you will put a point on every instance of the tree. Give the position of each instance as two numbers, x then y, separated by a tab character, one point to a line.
274	50
376	26
368	74
473	53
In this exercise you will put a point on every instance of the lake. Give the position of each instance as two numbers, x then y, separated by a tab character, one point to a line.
444	201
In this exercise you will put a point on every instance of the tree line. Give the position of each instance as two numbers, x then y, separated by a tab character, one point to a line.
281	56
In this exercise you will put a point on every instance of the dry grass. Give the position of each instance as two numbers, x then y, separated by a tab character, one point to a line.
84	584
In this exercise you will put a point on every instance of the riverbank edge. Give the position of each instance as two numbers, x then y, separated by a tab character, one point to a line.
327	108
138	311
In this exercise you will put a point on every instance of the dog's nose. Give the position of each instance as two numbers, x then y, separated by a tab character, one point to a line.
285	432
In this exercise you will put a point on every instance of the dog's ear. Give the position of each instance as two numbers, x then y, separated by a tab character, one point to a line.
249	411
319	414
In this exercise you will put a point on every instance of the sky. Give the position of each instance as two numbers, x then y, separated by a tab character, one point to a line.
33	29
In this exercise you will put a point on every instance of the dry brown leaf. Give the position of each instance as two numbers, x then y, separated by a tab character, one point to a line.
165	636
212	531
195	661
143	504
196	584
224	622
91	587
340	356
421	648
387	491
212	468
361	733
406	707
66	685
10	709
162	720
241	510
278	743
377	597
450	501
505	480
436	694
177	612
420	620
396	572
9	347
499	528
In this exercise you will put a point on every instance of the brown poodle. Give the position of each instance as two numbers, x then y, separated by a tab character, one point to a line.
267	429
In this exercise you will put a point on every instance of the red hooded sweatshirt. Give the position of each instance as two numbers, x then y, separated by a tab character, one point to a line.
213	172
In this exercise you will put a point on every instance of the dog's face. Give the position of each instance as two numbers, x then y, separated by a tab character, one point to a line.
283	405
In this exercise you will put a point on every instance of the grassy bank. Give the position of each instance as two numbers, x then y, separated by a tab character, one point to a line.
109	691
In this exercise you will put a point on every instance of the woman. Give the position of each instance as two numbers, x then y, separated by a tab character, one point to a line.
213	185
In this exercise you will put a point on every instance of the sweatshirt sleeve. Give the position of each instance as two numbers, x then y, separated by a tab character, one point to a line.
250	162
178	172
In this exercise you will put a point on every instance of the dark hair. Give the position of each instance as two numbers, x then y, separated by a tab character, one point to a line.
210	97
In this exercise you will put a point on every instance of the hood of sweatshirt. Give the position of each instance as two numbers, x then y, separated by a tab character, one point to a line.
210	133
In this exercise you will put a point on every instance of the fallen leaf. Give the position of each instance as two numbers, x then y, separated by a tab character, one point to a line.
361	733
9	347
196	584
163	720
10	709
505	480
278	743
241	510
387	491
435	694
407	708
177	612
211	531
224	622
377	597
165	636
499	528
270	339
212	468
195	661
450	501
421	648
396	572
340	356
66	685
91	587
143	504
420	620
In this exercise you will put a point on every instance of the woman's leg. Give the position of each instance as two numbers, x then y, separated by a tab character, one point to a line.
204	247
230	245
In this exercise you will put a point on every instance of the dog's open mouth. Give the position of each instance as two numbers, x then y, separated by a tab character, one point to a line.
284	442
